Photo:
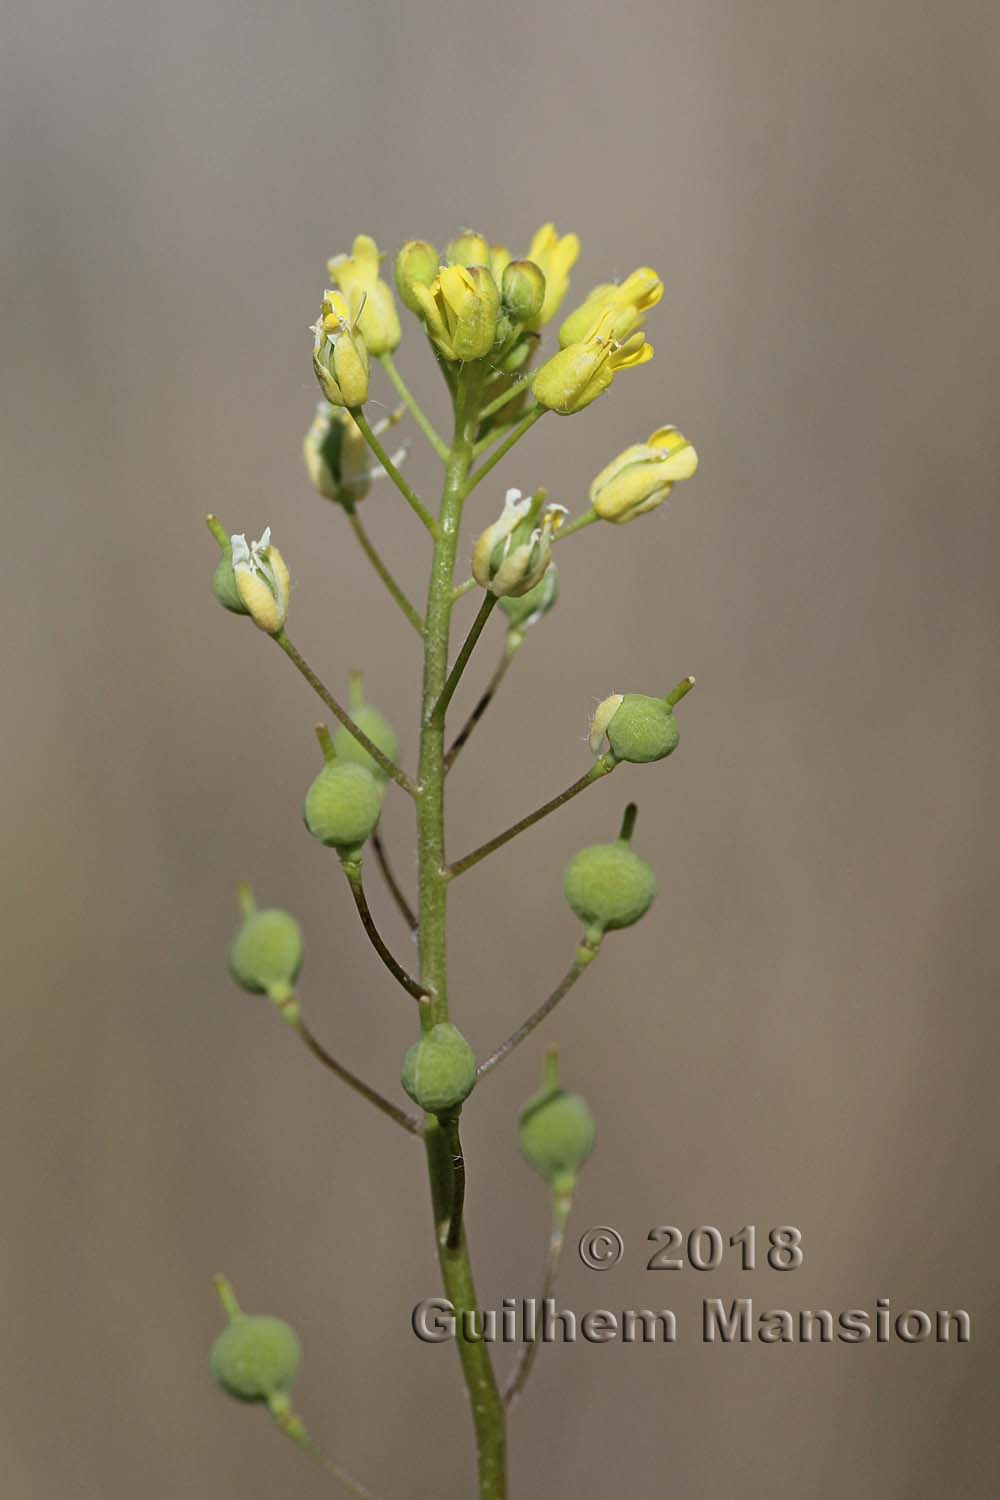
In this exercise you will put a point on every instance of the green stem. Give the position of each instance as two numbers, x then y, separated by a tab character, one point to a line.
603	766
501	401
562	1205
585	956
416	411
456	1270
322	692
352	869
408	1122
462	660
455	1224
368	548
522	427
587	519
409	495
393	885
512	645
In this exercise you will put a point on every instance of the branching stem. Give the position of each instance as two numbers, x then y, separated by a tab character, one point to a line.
585	955
395	889
416	411
352	869
409	495
462	660
374	557
512	644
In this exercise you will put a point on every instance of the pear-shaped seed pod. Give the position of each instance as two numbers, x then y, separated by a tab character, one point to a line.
224	586
439	1070
255	1358
642	729
378	729
343	805
556	1131
267	951
608	886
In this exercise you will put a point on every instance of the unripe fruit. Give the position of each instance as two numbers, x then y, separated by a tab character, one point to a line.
439	1070
523	289
343	805
266	954
255	1358
378	729
608	886
556	1131
642	729
526	609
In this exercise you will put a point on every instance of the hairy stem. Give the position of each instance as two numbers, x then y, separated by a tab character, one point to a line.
562	1204
409	1122
498	453
456	1269
410	496
511	646
395	889
462	660
585	956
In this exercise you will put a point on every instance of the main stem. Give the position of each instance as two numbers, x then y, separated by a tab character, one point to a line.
488	1415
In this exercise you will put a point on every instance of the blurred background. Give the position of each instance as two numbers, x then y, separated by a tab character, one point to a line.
805	1029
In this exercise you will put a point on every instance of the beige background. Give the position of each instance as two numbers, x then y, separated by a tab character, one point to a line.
806	1029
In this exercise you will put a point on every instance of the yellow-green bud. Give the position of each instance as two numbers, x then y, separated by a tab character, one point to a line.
460	310
369	297
340	354
266	953
527	609
608	886
555	255
641	477
500	258
343	805
256	1358
518	358
556	1131
512	554
523	290
416	264
468	249
262	582
439	1070
576	376
627	303
373	724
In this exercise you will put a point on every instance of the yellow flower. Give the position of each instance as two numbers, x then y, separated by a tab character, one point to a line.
574	377
369	297
641	477
340	356
460	309
512	555
262	581
629	302
500	259
417	261
556	256
468	249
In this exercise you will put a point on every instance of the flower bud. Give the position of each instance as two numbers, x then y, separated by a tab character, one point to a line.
555	257
524	610
439	1070
512	554
523	290
417	263
520	355
500	259
468	249
262	581
373	724
627	303
608	886
576	376
340	354
343	805
642	476
256	1358
266	953
460	310
369	297
556	1132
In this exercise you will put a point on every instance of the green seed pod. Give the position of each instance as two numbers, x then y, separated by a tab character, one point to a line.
375	726
556	1131
527	609
255	1358
642	729
608	886
439	1070
523	289
266	954
224	586
342	805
